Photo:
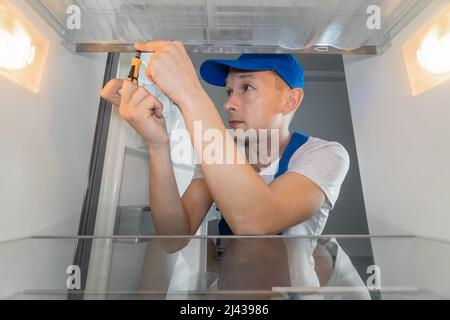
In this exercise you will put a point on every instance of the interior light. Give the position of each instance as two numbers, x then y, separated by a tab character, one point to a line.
16	51
427	54
23	50
434	53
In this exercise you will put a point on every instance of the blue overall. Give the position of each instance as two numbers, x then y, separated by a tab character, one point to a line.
297	140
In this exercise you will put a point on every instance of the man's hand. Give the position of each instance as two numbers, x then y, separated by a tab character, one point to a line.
111	92
172	70
140	109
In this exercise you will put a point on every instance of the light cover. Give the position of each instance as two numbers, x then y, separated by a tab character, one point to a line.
23	51
427	54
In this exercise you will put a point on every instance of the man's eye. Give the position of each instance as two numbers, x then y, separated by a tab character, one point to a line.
228	92
247	87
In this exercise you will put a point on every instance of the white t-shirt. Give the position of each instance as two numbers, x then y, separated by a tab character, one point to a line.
326	164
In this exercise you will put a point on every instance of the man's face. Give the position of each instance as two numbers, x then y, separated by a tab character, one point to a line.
255	99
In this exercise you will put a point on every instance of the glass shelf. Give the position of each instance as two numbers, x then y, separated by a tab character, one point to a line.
317	26
210	267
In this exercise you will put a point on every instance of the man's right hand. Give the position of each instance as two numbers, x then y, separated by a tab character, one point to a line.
140	109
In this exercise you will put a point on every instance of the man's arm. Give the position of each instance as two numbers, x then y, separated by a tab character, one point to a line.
173	215
249	205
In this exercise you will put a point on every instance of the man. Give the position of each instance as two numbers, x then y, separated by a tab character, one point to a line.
264	91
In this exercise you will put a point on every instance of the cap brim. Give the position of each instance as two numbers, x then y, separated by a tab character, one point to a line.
215	71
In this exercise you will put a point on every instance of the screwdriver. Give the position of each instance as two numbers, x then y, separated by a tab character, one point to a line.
135	65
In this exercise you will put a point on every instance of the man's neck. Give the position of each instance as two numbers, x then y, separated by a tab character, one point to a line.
284	138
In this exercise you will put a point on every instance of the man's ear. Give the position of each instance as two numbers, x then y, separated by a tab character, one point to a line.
294	99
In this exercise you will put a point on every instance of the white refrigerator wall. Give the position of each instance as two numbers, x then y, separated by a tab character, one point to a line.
403	146
46	140
402	141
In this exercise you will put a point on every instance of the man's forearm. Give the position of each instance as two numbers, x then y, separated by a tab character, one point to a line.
242	196
169	215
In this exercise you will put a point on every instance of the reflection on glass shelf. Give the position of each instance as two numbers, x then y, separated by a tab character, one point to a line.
278	267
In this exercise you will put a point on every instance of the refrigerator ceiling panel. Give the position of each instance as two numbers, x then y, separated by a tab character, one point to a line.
231	26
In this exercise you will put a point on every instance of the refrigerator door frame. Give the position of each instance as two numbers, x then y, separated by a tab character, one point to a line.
91	198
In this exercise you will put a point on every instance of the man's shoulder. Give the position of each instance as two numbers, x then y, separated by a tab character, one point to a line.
324	162
315	143
317	148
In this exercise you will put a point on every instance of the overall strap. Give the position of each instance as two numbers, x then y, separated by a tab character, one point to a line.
298	139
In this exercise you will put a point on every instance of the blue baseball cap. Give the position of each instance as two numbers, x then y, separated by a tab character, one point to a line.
215	71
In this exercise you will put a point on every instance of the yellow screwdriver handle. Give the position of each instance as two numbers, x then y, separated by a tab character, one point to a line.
135	65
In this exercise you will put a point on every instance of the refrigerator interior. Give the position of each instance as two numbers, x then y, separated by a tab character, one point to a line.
84	171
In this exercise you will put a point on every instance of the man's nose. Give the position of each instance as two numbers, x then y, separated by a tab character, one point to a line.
231	104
